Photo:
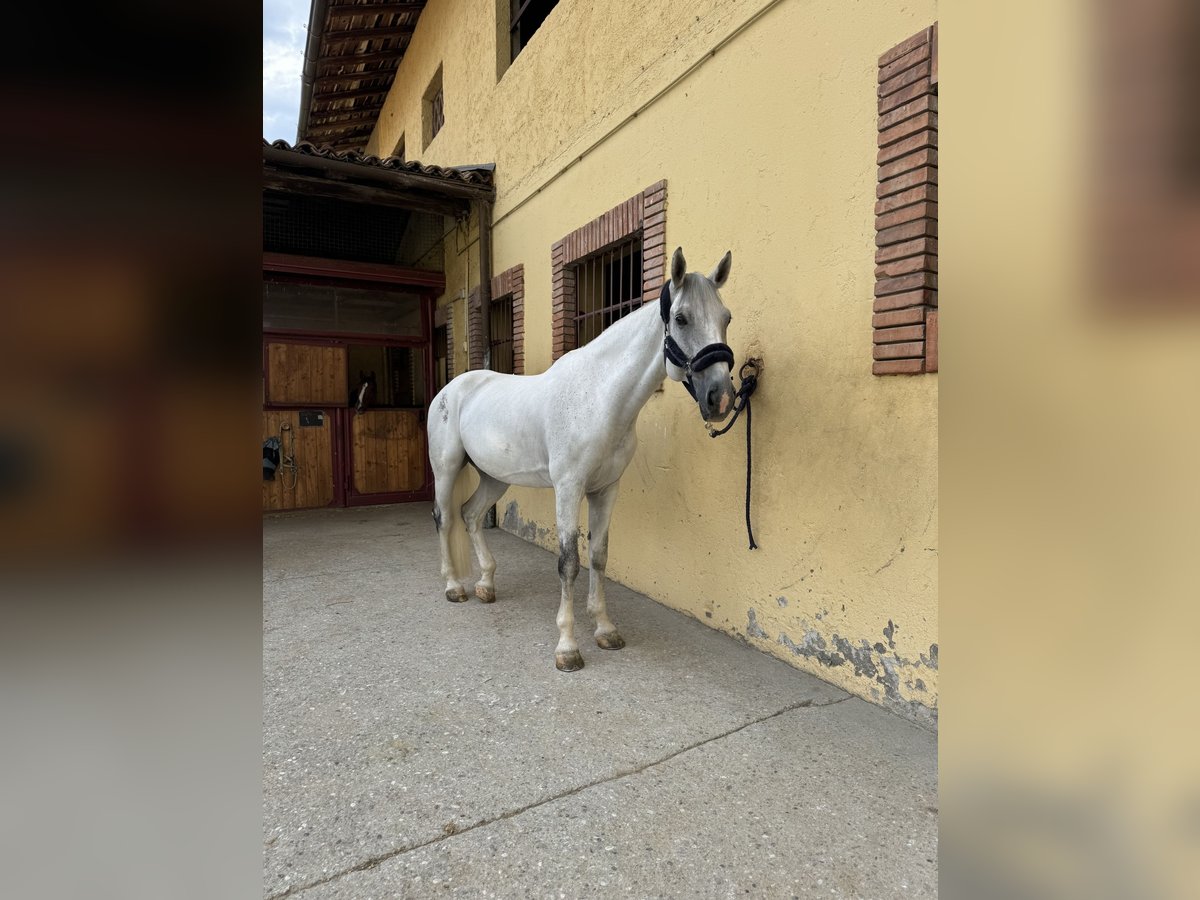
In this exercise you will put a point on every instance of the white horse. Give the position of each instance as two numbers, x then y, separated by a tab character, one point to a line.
572	428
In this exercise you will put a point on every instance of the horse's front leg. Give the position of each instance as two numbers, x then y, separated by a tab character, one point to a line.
600	507
567	499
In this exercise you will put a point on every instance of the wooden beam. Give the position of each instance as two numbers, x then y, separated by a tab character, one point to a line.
365	120
342	132
334	116
368	34
367	194
350	59
358	271
371	9
349	95
326	80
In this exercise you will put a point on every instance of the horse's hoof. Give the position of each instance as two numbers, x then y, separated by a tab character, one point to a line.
485	594
568	662
610	641
459	596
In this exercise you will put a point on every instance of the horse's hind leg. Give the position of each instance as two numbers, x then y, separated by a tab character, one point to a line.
447	476
489	491
600	507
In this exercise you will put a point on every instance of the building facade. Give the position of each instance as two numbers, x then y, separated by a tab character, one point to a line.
802	137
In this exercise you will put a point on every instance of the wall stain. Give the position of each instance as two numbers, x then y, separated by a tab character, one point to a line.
526	530
753	629
888	670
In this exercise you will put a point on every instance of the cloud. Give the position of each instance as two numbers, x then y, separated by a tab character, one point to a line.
285	30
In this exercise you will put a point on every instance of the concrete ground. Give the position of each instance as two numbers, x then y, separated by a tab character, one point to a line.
414	747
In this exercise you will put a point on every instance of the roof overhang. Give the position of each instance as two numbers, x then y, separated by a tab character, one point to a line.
348	175
354	48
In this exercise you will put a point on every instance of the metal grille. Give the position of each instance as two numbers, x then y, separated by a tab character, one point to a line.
608	286
501	323
339	308
333	229
441	369
405	366
437	113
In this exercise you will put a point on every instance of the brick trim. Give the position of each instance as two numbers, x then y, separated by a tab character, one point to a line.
509	283
449	308
904	324
644	214
474	331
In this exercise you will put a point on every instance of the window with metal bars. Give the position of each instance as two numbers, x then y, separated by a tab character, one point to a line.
608	286
501	334
526	17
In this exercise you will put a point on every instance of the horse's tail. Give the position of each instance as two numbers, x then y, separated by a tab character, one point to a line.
460	543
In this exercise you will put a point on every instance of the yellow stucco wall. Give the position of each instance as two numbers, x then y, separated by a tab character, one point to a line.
768	149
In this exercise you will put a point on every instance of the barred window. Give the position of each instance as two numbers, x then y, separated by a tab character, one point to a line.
501	334
608	287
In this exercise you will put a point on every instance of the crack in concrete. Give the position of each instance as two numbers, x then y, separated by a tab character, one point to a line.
279	579
374	861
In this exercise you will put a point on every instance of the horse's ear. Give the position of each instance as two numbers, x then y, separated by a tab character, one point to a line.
678	268
721	273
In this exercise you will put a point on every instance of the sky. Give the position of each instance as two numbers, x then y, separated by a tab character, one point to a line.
285	29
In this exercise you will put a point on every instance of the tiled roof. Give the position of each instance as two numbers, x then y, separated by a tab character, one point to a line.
354	49
480	175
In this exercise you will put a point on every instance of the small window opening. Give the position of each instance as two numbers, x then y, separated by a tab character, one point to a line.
526	17
435	107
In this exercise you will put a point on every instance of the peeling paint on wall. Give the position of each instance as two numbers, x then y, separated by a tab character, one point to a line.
894	673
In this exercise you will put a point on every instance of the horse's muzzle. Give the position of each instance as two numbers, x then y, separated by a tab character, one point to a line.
714	393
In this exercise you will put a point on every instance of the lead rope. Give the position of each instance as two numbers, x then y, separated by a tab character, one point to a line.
287	461
749	375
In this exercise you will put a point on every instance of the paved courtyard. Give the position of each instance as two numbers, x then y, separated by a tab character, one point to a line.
414	747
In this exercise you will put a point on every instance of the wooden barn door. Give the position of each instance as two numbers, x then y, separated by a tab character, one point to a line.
305	386
386	442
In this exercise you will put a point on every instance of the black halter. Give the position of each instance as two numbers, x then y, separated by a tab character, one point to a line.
708	356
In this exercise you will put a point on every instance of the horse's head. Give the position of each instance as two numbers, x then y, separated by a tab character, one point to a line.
364	394
696	321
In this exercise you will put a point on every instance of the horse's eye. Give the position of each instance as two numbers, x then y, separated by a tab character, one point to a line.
679	319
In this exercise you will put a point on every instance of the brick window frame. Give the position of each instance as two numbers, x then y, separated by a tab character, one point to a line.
509	283
644	215
904	324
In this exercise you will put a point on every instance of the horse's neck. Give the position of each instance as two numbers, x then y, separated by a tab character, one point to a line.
631	354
